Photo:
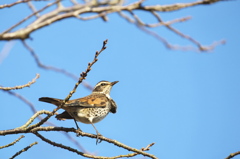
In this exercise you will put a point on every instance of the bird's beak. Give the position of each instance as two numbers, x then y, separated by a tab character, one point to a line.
113	83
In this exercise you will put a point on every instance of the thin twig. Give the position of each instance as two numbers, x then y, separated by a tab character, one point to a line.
133	154
83	75
12	143
23	150
32	7
200	47
33	118
21	86
24	36
138	21
20	1
163	40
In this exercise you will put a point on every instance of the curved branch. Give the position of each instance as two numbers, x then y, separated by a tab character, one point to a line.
12	143
22	86
233	155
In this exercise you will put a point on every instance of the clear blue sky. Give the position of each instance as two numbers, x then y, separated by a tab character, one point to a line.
188	103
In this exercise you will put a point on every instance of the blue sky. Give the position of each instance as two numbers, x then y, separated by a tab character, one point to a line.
185	102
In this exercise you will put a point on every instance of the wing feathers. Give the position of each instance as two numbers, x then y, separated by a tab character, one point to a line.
91	101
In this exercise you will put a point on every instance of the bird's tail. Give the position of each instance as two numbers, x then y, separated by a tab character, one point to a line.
54	101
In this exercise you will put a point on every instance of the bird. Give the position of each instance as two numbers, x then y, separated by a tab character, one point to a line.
89	109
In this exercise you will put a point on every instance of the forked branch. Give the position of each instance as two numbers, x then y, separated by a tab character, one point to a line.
101	9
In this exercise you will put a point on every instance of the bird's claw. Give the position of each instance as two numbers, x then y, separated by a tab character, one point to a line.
78	132
98	141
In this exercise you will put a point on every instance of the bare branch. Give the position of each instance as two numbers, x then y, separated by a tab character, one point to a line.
33	118
32	7
133	154
178	6
83	75
165	42
88	155
78	9
21	34
12	143
138	21
22	86
200	46
101	10
23	150
20	1
141	25
63	146
233	155
50	128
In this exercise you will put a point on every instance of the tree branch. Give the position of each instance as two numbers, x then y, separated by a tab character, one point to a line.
78	9
12	143
18	2
233	155
22	86
23	150
50	128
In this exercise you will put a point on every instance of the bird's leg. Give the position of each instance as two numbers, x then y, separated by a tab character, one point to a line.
77	127
98	134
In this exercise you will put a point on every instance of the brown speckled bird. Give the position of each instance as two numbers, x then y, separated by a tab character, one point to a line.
90	109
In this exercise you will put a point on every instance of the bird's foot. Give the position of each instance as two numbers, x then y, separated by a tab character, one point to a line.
79	132
98	141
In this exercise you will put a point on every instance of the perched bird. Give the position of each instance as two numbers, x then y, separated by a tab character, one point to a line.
90	109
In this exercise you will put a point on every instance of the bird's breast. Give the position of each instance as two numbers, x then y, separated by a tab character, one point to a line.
89	115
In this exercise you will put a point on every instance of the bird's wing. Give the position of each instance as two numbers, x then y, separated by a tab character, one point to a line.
63	116
91	101
113	106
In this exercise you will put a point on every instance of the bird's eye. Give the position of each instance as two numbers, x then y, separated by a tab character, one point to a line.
103	84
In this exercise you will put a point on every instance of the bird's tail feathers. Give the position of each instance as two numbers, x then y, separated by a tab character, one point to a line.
54	101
